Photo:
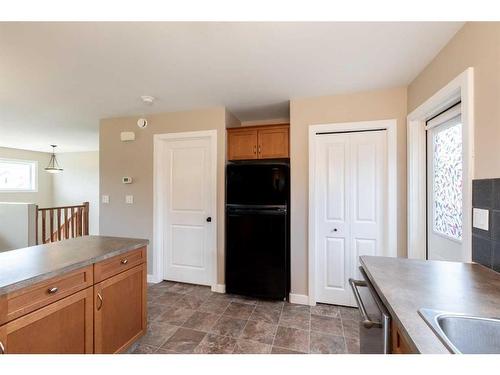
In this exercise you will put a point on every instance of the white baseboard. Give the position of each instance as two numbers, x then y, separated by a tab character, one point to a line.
219	288
300	299
152	279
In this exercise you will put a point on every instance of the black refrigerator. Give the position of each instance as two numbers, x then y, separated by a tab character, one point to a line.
258	229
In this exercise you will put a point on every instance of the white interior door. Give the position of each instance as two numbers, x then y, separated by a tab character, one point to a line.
189	202
445	187
351	189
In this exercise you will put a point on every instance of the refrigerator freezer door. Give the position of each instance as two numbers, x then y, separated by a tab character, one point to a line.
257	184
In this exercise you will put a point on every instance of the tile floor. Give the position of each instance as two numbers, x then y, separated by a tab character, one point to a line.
186	318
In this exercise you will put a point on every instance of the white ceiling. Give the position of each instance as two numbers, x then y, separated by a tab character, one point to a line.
58	79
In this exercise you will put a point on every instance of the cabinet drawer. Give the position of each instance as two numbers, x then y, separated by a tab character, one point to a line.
26	300
112	266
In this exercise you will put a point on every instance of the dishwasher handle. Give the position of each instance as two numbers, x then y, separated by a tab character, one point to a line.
367	322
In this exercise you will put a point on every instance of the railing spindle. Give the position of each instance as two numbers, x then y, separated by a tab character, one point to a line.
73	224
36	225
80	221
86	219
51	225
59	224
44	236
66	223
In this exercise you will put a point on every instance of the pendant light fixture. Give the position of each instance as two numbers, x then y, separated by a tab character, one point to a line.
53	166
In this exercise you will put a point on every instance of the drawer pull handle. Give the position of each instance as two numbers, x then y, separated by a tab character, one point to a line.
52	290
124	261
2	348
99	297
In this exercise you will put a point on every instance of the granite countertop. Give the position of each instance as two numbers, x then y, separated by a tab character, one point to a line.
406	285
23	267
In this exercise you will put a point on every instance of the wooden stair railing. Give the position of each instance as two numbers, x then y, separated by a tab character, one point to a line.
70	222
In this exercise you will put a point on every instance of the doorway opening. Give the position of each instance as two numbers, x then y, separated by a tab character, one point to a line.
440	139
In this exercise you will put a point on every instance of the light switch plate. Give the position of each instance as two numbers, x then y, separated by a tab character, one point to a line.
480	218
129	199
105	199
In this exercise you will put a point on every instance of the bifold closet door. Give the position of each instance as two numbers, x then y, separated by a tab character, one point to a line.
351	190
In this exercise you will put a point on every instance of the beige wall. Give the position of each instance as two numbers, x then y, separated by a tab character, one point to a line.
476	45
365	106
79	183
231	120
135	159
43	197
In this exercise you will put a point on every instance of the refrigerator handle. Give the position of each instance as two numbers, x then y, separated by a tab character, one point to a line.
367	322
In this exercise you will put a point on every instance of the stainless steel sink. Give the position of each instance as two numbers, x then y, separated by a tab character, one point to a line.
464	333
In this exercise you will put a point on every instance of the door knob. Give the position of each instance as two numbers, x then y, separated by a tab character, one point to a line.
209	219
334	229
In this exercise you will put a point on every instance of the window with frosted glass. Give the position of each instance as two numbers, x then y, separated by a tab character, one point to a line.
447	183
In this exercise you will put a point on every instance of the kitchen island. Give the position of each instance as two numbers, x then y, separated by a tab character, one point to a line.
81	295
407	285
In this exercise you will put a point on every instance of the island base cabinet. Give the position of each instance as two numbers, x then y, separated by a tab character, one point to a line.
63	327
120	310
399	344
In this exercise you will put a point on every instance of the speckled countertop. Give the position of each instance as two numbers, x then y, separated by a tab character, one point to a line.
406	285
23	267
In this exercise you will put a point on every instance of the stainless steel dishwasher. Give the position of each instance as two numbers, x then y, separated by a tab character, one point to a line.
375	324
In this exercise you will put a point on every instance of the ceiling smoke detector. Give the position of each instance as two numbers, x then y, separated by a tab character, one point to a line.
147	99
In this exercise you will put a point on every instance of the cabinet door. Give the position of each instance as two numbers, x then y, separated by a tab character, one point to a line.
63	327
241	144
273	143
399	344
120	310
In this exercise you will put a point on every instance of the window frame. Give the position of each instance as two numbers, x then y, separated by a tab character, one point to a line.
34	175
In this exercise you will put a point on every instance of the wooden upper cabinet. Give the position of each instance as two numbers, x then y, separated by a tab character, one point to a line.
63	327
120	310
260	142
273	143
242	144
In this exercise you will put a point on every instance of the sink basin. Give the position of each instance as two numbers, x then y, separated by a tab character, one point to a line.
464	333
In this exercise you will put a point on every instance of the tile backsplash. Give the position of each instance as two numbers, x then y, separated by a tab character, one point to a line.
486	243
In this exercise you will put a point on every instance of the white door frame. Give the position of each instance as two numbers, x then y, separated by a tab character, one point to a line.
460	88
392	204
159	200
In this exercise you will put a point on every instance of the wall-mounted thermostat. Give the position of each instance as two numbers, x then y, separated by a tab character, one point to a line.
127	136
127	180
